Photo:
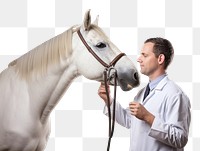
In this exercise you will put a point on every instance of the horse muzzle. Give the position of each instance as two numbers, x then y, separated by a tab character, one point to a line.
128	80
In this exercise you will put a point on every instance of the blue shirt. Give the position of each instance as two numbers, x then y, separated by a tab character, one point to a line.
154	83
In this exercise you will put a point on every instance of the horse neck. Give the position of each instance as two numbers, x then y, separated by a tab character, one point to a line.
47	91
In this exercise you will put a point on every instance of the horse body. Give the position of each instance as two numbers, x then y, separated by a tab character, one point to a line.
18	131
27	126
33	84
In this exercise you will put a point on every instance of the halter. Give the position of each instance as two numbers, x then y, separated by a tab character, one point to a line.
112	63
107	77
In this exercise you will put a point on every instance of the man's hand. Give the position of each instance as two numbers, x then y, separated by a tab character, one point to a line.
139	111
102	93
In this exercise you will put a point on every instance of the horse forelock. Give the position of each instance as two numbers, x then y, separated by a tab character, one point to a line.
48	53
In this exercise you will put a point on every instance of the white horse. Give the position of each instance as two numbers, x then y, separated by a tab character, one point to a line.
33	84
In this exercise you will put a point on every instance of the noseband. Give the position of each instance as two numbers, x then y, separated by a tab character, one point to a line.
107	76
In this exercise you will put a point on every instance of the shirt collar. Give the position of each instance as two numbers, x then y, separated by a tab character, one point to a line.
154	83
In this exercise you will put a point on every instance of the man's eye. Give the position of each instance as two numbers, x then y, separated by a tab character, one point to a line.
101	45
145	55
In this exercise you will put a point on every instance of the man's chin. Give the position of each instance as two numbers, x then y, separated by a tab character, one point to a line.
143	72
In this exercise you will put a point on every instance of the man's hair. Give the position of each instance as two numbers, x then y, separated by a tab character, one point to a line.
162	46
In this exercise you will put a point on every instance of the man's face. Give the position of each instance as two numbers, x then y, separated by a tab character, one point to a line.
148	61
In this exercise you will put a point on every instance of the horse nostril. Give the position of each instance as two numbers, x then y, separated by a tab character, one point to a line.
136	76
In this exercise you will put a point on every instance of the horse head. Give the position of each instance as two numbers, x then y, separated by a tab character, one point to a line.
95	52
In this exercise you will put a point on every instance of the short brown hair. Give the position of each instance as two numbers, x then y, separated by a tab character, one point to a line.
162	46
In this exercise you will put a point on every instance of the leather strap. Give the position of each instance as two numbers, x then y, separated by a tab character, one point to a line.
112	63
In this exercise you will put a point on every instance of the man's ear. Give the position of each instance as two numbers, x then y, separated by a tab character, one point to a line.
161	58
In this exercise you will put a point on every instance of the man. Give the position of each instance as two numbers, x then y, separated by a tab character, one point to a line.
159	122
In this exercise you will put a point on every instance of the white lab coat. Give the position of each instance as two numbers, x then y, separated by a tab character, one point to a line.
169	131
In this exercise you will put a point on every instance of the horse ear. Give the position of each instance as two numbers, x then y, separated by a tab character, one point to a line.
87	20
96	20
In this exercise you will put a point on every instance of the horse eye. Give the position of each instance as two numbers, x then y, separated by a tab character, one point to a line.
101	45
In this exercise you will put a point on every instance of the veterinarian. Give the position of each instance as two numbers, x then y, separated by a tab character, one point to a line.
159	116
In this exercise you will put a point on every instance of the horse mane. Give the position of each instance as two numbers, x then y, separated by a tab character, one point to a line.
48	53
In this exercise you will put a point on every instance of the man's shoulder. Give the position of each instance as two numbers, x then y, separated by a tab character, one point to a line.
172	85
172	88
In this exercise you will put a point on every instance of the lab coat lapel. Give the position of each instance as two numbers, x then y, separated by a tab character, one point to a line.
159	87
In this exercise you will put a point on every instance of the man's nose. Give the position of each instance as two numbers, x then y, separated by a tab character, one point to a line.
139	59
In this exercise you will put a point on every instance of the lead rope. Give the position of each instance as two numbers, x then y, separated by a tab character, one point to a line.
111	125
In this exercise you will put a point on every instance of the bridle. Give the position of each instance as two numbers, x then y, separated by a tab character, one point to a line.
111	64
107	77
